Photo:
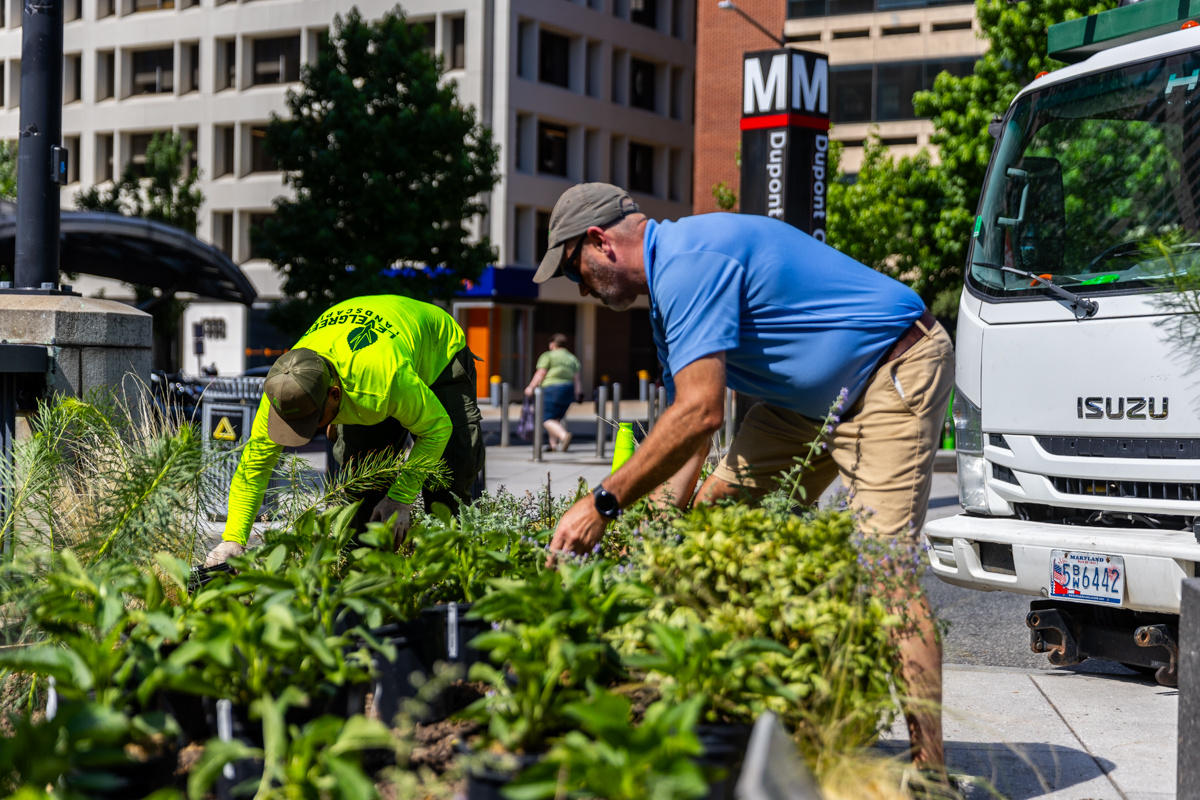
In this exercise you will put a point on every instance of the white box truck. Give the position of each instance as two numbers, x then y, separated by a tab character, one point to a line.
1077	408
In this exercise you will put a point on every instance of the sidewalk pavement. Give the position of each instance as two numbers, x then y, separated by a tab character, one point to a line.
1054	734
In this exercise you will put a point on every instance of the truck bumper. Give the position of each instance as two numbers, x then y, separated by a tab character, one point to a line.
973	552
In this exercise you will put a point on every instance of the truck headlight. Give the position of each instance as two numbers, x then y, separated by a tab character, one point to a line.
972	468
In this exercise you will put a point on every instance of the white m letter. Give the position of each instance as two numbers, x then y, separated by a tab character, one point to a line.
814	91
764	95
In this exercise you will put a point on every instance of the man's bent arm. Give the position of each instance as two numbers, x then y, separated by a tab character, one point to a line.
680	435
249	483
418	409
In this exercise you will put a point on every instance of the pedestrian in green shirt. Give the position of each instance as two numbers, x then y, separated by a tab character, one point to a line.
557	373
369	371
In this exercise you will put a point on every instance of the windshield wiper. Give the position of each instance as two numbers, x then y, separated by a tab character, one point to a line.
1082	306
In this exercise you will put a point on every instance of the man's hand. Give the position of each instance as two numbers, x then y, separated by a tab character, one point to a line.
579	530
385	509
223	552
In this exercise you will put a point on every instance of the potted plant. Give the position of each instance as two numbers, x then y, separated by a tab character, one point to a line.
548	643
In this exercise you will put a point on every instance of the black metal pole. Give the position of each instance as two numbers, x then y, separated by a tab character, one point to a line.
39	144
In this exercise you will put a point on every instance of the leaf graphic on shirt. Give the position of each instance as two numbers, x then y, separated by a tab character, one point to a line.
361	336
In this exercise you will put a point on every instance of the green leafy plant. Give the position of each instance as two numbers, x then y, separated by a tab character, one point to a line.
107	624
321	759
750	573
550	640
610	756
283	622
693	661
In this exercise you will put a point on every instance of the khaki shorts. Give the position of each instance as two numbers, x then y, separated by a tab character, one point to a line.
882	447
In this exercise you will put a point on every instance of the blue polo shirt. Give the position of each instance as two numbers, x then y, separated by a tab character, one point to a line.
796	319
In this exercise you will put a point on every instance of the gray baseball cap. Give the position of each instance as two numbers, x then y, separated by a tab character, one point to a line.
579	208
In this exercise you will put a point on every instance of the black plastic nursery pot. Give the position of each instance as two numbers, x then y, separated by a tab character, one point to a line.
123	781
724	752
458	632
419	645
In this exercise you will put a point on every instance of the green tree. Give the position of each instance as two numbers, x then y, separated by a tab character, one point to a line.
388	169
164	191
8	170
936	202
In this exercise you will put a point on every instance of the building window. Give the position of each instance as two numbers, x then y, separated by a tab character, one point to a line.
223	150
191	68
677	90
884	92
644	12
276	60
72	10
153	71
260	160
641	168
255	221
73	79
139	143
222	232
104	157
642	75
105	8
799	9
554	54
226	64
190	138
552	149
106	72
456	54
2	84
850	88
151	5
541	236
71	144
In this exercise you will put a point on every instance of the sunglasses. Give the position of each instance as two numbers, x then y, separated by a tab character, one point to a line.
572	266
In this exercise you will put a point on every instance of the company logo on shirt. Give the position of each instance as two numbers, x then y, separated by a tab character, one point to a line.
362	336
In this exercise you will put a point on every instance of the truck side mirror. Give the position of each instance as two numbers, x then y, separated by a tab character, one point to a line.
1039	233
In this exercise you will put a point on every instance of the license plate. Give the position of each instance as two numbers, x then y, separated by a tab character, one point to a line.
1089	577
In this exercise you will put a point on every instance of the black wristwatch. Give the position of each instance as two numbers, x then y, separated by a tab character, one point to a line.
606	503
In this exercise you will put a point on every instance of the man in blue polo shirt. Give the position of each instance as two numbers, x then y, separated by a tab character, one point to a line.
754	304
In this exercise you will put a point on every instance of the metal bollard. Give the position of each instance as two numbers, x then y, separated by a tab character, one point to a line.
504	427
601	423
537	423
616	415
730	414
651	406
643	385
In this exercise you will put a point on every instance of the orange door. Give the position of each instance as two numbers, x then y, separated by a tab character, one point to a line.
479	339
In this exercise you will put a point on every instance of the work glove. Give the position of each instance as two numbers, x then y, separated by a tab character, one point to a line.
223	552
385	509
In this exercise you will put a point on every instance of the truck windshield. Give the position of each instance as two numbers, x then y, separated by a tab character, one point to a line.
1095	184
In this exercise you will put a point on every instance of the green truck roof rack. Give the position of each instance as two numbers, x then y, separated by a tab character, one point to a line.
1077	39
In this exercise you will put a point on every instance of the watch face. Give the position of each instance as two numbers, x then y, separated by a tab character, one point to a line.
605	503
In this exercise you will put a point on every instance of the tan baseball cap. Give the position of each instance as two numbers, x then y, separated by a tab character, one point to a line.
296	388
579	208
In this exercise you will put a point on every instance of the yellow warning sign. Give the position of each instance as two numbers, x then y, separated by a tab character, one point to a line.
225	431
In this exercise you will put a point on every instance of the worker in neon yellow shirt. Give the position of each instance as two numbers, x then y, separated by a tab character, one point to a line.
371	371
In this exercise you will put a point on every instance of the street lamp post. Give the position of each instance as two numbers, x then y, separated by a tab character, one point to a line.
729	6
41	160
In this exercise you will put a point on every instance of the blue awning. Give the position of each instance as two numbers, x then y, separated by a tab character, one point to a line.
502	282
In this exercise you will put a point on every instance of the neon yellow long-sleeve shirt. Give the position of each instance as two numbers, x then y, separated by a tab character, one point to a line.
387	350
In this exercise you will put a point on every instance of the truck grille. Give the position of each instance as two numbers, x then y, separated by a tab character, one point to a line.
1104	447
1141	490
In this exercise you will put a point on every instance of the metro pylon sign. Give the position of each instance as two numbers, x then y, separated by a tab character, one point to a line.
785	137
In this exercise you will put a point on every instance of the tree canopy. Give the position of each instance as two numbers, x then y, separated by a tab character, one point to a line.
911	217
388	171
163	189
